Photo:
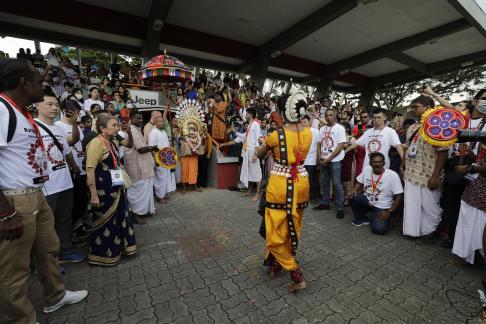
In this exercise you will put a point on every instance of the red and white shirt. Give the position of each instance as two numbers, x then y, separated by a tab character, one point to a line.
22	161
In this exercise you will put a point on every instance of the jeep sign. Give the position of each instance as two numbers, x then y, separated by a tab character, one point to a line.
146	99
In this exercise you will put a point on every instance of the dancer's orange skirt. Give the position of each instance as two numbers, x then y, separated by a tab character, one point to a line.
189	169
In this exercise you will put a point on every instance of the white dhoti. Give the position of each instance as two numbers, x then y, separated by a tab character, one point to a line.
140	197
469	232
422	212
164	182
178	173
250	171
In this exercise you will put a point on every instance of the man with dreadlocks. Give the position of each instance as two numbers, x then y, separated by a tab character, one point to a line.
287	192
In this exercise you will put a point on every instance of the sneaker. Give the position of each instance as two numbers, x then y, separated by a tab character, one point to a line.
340	214
71	258
321	207
359	223
70	297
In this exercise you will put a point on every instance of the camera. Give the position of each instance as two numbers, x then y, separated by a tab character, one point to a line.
468	135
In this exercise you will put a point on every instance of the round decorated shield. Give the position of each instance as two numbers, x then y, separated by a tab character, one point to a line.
166	157
440	126
165	68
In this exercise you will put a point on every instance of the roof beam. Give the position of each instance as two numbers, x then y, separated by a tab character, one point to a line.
302	29
396	47
467	15
444	66
409	61
55	12
155	22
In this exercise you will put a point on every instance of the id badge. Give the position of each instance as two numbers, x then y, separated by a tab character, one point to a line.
116	178
412	151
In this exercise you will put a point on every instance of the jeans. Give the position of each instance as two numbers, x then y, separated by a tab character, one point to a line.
360	206
313	182
328	172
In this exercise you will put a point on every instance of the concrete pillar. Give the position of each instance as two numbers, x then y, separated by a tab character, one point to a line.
259	72
368	95
78	56
37	45
323	88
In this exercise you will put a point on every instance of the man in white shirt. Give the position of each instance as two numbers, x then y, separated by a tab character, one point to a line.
59	188
94	95
74	136
311	161
377	189
139	164
164	180
26	221
332	138
379	139
250	169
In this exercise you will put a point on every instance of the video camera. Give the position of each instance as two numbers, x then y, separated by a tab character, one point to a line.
468	135
471	136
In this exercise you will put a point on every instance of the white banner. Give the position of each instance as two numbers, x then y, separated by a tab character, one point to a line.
147	98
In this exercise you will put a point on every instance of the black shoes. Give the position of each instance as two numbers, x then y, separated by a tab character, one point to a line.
321	207
340	214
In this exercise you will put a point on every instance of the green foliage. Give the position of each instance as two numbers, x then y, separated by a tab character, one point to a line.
463	82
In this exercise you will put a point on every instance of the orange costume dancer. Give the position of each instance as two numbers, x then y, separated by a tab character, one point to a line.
287	192
218	123
190	120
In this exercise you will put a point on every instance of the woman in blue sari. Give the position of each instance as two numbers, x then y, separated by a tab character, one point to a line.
113	233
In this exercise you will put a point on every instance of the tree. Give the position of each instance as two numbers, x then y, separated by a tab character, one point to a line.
464	82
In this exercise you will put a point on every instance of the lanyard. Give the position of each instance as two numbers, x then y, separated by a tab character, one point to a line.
109	147
29	118
327	134
375	184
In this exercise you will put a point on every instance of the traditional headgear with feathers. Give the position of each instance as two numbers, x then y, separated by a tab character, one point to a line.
191	112
295	107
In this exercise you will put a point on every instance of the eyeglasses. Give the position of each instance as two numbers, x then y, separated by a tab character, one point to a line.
416	106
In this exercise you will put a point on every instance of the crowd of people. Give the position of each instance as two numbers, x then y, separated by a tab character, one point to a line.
80	167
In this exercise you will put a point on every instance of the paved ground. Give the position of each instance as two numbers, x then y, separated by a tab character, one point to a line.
200	261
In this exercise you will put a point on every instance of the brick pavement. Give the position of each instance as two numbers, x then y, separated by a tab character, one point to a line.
200	262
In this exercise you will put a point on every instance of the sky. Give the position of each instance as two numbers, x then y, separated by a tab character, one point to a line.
11	45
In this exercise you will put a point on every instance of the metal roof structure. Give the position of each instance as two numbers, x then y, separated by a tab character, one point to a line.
346	44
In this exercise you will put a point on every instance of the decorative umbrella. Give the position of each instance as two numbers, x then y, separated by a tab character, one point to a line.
165	68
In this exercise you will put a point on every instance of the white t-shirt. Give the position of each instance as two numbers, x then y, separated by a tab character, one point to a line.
88	102
375	140
251	136
158	137
330	137
388	185
311	158
22	163
59	175
77	149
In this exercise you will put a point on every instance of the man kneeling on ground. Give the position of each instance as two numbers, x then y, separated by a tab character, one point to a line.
377	189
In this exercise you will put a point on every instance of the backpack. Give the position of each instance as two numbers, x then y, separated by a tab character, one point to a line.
12	119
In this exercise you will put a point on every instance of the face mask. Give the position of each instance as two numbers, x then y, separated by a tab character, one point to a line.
481	107
79	96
